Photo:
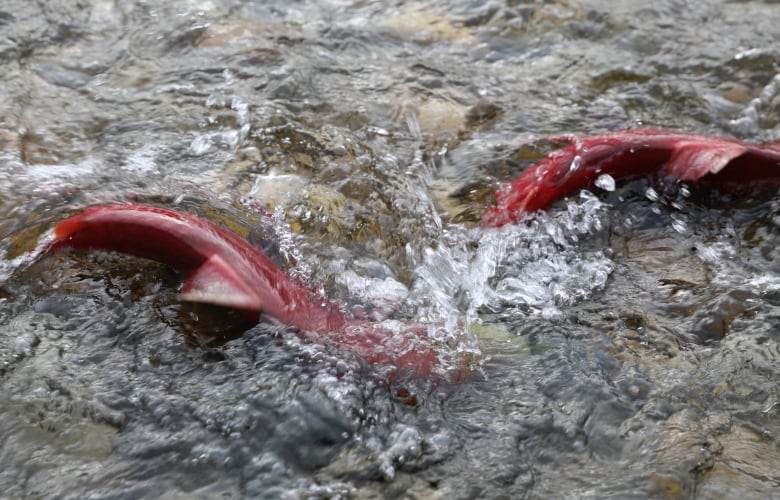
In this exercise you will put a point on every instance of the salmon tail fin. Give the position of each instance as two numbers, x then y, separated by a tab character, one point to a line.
216	282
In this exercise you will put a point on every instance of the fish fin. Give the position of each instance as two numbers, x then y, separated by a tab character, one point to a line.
217	282
692	160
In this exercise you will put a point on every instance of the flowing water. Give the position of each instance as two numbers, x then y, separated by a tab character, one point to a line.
627	339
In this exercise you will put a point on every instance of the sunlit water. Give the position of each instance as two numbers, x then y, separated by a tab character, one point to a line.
626	340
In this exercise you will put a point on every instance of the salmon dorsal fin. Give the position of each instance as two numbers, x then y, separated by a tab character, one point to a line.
217	282
692	160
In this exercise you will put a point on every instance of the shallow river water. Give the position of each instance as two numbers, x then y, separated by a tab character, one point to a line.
627	340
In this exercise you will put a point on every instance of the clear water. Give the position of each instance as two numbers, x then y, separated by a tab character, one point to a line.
628	338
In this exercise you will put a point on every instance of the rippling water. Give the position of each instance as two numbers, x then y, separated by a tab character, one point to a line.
628	337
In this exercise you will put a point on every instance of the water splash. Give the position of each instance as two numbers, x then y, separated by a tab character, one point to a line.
288	248
383	291
534	268
749	123
605	182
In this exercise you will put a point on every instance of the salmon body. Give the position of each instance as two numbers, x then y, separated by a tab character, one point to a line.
222	268
678	156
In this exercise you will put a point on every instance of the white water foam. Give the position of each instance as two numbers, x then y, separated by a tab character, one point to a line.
535	267
748	124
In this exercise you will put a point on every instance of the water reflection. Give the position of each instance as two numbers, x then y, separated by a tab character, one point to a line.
629	337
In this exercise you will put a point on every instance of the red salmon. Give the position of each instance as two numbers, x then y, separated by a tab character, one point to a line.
681	156
222	268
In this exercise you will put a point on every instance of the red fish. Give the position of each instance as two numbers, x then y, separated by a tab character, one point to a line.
222	268
722	161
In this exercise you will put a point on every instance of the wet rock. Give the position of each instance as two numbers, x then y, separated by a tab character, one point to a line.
736	92
274	189
426	27
439	117
670	487
481	113
61	76
235	31
748	453
38	147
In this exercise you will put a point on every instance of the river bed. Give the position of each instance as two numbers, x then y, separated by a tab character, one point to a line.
626	340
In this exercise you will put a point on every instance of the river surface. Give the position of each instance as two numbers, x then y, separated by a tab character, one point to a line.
627	340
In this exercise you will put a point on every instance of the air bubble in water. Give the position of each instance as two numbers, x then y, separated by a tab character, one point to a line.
606	182
651	194
679	225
